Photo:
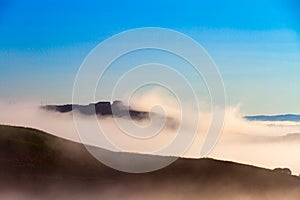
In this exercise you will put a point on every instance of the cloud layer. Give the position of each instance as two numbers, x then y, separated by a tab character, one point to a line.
263	144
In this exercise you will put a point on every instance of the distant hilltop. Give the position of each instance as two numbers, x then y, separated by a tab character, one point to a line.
104	108
285	117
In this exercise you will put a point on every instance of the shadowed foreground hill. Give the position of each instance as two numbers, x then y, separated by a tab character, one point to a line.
36	165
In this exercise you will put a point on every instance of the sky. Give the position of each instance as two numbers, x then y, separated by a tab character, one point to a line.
255	44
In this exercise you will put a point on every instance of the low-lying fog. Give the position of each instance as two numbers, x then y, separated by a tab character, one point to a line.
265	144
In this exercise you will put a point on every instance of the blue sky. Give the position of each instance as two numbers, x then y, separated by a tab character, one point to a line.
255	44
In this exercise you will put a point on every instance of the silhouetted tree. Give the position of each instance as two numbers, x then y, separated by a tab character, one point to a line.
286	171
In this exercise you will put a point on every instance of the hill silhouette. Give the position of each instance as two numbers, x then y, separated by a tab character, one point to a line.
285	117
48	167
104	108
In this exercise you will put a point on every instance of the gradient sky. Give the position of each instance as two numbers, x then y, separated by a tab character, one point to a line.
255	44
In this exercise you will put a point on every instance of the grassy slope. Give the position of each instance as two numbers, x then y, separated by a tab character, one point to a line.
31	159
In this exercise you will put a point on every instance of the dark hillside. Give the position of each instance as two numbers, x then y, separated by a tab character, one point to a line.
34	162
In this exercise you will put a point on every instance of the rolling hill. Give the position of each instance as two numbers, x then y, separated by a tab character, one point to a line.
37	165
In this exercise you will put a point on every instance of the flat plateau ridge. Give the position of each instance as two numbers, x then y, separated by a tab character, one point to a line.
37	165
101	108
